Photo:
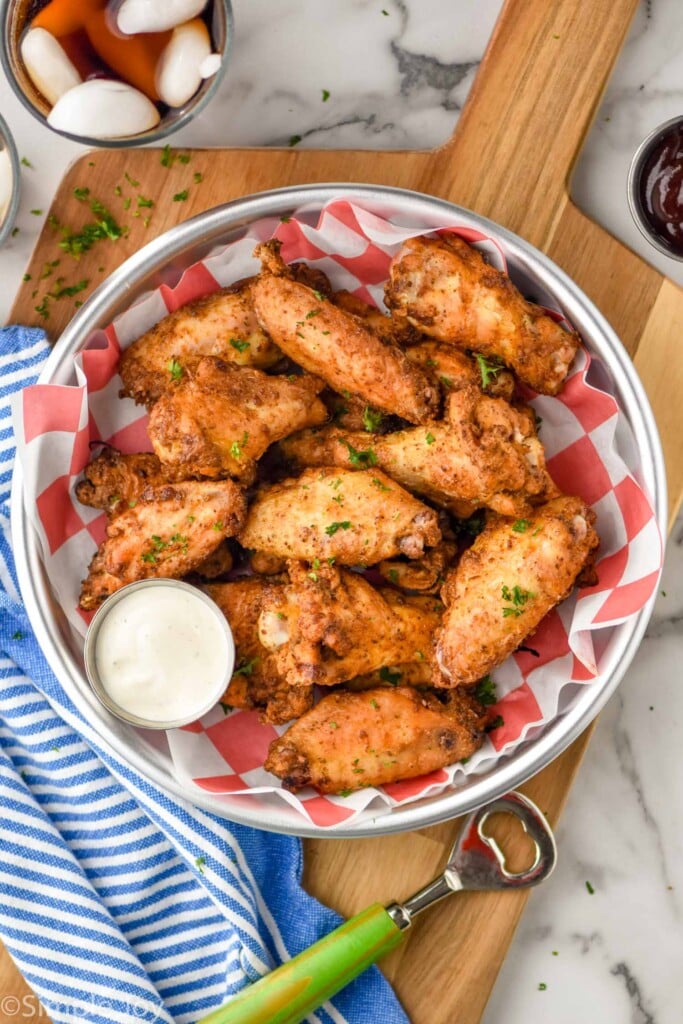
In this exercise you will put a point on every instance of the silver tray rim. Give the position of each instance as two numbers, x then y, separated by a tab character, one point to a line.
191	240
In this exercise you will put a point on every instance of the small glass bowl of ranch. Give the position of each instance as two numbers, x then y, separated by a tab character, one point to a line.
9	181
159	654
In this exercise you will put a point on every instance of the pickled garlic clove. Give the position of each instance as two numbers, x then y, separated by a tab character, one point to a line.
136	16
134	58
47	64
178	76
103	109
210	65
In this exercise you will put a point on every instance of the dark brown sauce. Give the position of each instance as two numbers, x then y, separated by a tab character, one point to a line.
660	189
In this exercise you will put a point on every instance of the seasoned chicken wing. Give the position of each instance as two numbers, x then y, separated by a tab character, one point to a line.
256	682
338	346
505	584
446	288
329	625
113	480
219	420
484	454
352	740
170	531
221	324
425	574
453	368
352	518
397	331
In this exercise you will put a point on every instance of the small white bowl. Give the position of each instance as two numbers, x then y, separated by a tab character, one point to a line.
7	144
93	673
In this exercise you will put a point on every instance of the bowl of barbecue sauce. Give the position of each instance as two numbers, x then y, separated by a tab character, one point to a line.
655	188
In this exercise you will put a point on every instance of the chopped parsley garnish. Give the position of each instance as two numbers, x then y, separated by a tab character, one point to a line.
37	213
285	219
333	527
199	864
150	557
26	162
429	438
218	525
118	191
345	792
81	194
144	202
488	371
313	576
315	563
378	483
158	542
371	419
393	575
81	241
311	313
27	277
486	691
590	888
326	95
180	197
294	140
542	986
374	703
333	725
175	369
387	676
520	525
361	459
241	346
237	446
198	177
319	295
131	181
518	597
247	667
497	722
43	309
17	635
72	289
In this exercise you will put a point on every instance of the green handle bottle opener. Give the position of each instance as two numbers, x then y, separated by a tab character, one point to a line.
290	993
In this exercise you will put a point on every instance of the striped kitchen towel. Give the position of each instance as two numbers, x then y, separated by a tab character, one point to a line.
118	902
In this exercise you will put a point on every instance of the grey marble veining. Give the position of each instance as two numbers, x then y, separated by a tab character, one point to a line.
399	80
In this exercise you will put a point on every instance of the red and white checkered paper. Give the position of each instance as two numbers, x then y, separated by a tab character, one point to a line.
353	246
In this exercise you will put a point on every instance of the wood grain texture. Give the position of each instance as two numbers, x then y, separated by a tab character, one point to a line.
510	159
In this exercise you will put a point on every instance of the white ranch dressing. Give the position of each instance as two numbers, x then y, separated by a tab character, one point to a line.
6	183
162	654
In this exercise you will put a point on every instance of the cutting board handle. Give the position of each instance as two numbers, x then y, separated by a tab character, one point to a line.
533	100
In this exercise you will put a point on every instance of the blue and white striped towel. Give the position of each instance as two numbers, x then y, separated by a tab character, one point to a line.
118	902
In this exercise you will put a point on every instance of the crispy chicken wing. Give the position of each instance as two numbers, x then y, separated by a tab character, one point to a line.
113	480
453	368
352	740
424	574
219	420
384	325
330	625
445	287
505	584
485	454
338	346
222	324
171	530
256	682
353	518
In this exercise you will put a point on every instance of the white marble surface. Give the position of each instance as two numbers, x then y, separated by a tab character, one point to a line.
398	80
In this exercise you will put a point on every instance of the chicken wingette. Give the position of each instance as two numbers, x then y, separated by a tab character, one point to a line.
352	518
221	324
485	454
339	346
171	530
329	625
453	368
445	287
256	682
219	420
352	740
114	481
511	577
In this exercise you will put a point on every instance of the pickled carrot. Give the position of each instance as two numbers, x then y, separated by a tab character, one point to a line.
134	58
62	17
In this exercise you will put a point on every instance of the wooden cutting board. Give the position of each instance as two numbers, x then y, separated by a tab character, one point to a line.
510	158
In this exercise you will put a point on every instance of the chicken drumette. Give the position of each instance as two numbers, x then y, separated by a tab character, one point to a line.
445	287
502	587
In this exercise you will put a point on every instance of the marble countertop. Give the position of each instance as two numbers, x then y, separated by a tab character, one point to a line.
605	956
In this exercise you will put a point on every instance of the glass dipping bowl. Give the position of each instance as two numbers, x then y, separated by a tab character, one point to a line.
7	144
15	15
637	186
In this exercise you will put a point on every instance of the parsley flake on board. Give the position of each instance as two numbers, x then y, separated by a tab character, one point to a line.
333	527
590	888
180	197
294	140
326	95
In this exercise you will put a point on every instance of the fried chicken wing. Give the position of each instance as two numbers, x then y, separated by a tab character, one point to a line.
256	682
445	287
171	530
114	480
221	324
484	454
424	574
453	368
505	584
338	346
352	740
395	331
219	420
353	518
329	625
